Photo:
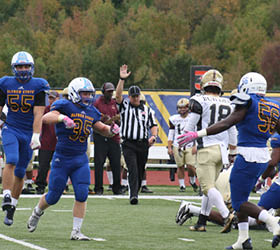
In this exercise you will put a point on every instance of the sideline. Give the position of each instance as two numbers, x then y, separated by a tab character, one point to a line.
20	242
113	197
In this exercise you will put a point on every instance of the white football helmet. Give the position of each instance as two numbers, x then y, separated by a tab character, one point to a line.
211	78
252	83
78	85
23	58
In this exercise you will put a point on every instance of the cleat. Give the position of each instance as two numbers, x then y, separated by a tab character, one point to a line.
183	213
33	221
246	245
198	228
28	190
195	187
227	223
77	235
145	189
182	189
110	188
124	188
275	241
6	202
9	218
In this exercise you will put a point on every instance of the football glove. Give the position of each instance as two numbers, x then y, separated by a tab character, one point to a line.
69	123
35	141
114	129
186	138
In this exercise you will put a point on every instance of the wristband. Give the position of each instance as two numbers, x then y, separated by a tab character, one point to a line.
60	118
201	133
233	151
123	79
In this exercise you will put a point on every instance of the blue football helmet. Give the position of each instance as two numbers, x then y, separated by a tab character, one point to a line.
22	58
78	85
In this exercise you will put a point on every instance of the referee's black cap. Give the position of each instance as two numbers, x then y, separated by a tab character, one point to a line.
134	91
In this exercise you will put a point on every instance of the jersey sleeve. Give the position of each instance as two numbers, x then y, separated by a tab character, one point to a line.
59	106
275	141
195	106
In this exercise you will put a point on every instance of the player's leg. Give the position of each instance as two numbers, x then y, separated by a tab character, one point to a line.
57	182
81	180
179	159
190	160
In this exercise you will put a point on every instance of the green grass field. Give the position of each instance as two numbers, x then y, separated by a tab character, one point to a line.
149	225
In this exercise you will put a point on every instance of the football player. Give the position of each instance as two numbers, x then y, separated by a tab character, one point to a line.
256	118
206	109
185	156
74	119
25	98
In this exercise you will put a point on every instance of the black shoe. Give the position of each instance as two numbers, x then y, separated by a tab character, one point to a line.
9	218
119	192
246	245
98	192
28	190
182	189
40	190
145	189
195	187
275	240
110	188
133	200
6	202
124	188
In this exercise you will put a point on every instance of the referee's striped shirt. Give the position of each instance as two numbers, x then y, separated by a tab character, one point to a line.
136	121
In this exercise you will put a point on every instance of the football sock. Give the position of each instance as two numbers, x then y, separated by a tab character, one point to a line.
243	234
110	177
124	182
206	205
14	202
217	199
194	210
6	191
77	223
192	179
182	182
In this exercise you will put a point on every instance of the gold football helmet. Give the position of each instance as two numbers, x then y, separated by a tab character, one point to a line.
211	78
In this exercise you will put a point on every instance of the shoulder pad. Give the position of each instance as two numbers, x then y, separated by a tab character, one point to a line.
240	98
195	106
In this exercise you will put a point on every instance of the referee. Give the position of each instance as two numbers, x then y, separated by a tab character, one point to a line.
136	122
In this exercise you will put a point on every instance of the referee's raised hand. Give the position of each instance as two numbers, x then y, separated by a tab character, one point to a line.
123	72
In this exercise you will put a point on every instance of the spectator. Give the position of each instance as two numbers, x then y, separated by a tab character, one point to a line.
104	146
207	109
25	98
256	118
136	121
70	158
187	155
48	142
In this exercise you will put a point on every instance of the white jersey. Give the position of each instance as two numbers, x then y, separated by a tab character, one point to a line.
178	123
207	110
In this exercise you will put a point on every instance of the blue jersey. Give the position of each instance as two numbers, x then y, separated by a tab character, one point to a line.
259	122
74	141
20	99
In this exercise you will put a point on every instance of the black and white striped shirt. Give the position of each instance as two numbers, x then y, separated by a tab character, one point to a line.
136	121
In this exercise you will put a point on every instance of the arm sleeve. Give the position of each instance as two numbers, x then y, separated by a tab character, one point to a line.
232	133
2	98
192	121
40	99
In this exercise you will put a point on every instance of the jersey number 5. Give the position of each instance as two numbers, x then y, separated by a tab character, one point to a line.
81	130
24	105
269	116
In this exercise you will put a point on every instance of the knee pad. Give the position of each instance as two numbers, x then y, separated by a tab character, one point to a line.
81	192
19	172
53	197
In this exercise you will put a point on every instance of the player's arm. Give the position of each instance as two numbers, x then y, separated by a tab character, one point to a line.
171	134
119	90
106	130
55	116
275	158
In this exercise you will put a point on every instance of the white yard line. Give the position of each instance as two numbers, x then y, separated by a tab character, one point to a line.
20	242
144	197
